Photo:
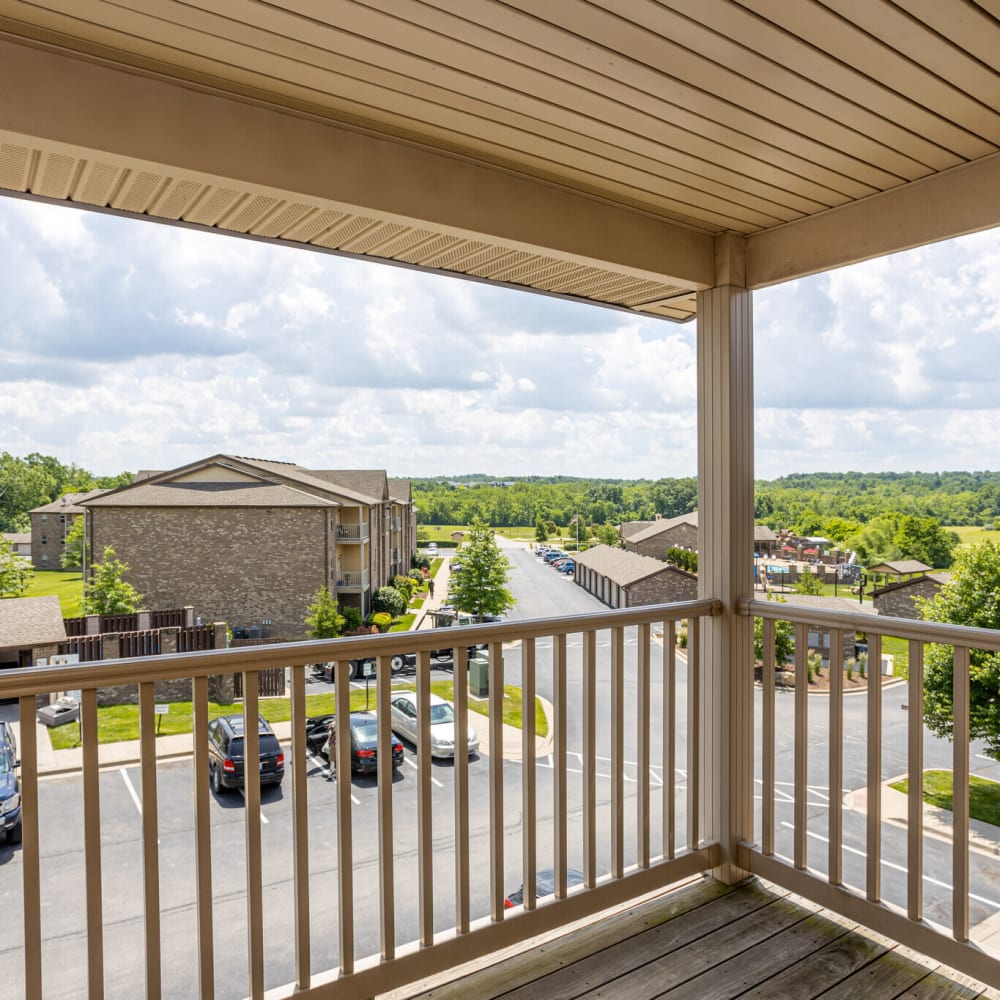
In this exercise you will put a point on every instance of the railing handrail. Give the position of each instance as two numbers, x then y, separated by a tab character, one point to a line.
129	670
902	628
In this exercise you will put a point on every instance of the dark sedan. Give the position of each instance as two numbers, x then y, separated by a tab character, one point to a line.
10	797
364	741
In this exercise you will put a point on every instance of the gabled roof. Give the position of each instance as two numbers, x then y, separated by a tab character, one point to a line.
309	479
30	621
226	494
367	482
903	566
665	524
937	581
623	567
68	503
401	490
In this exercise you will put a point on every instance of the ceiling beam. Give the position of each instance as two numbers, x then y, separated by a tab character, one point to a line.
965	199
90	109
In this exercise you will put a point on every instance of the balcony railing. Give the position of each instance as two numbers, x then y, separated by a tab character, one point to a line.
619	792
352	579
351	533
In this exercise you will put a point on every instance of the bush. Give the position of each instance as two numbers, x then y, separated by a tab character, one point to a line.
381	620
421	560
388	600
353	619
851	663
405	586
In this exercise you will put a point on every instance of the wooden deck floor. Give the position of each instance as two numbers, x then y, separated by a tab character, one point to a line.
709	941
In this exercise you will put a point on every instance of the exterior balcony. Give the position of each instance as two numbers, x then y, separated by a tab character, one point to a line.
399	883
347	534
352	580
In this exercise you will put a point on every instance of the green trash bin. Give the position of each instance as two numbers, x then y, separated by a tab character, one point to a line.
479	675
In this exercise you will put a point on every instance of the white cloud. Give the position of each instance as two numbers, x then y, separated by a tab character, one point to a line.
128	345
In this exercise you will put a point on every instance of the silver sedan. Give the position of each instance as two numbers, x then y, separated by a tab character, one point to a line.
404	723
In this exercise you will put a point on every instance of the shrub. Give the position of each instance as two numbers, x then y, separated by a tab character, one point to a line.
862	665
405	586
851	663
381	620
682	637
388	600
353	619
813	664
421	561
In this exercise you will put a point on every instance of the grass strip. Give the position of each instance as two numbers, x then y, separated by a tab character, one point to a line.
984	795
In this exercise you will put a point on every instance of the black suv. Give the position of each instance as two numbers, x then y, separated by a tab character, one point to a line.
225	754
10	796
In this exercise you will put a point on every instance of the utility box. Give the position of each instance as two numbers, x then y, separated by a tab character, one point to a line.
479	675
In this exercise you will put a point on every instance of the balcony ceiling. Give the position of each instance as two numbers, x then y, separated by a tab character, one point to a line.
587	148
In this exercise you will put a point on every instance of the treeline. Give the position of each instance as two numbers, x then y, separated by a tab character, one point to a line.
29	482
836	505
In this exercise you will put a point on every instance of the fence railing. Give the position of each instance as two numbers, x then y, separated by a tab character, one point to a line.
352	579
351	532
132	622
847	876
614	792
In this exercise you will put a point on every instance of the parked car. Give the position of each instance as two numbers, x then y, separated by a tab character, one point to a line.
365	667
364	742
432	549
545	885
567	566
225	754
7	739
442	723
554	554
10	797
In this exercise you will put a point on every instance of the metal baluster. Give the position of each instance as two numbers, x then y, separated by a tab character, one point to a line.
559	763
915	773
461	692
617	752
529	795
425	825
960	796
384	770
497	895
873	845
767	738
300	827
589	759
30	865
340	762
203	838
150	847
669	750
801	745
251	795
836	767
642	746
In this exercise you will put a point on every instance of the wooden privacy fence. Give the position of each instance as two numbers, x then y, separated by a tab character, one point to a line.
270	683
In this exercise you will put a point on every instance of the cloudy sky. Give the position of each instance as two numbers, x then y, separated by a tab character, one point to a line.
125	345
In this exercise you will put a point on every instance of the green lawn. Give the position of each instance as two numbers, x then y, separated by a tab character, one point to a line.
116	723
984	795
970	533
404	623
67	586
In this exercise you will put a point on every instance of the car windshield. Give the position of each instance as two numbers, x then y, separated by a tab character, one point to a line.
442	713
365	731
4	763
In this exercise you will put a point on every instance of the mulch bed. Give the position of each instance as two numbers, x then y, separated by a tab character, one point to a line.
821	680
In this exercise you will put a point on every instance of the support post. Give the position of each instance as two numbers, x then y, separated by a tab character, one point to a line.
725	562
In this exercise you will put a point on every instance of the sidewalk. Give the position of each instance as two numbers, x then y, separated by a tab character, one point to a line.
984	838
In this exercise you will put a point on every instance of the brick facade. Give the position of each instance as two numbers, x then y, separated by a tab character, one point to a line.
241	565
681	536
899	599
670	585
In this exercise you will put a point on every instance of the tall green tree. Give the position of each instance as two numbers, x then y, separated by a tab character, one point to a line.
73	555
15	571
481	587
971	597
923	538
107	593
607	534
541	535
323	617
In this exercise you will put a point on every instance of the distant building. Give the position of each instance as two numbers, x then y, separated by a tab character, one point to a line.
249	541
899	599
31	628
19	542
51	523
626	579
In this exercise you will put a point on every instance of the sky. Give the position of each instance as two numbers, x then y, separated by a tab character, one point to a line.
126	345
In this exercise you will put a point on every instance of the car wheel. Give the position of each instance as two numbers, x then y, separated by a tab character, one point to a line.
14	835
397	663
216	779
441	654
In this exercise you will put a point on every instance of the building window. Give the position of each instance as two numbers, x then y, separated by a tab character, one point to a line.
45	558
44	517
45	539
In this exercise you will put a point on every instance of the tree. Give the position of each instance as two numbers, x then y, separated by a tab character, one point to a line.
73	556
323	617
107	593
923	538
808	583
15	571
607	534
784	638
481	587
541	535
684	558
971	597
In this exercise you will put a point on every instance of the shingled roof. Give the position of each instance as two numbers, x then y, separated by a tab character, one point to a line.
623	567
30	621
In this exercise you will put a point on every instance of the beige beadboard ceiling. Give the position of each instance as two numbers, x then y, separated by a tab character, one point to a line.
594	149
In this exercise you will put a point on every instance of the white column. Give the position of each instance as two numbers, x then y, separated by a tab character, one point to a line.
725	562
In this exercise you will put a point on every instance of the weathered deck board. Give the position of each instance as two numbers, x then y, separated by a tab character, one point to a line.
703	942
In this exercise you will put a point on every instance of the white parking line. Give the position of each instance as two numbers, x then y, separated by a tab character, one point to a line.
131	789
434	781
323	768
900	868
263	818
